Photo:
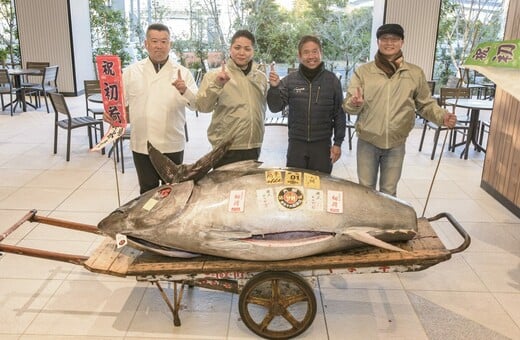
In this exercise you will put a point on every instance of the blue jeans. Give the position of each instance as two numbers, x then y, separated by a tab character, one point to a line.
371	159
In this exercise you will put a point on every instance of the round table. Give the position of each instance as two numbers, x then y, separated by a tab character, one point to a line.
475	105
95	98
17	74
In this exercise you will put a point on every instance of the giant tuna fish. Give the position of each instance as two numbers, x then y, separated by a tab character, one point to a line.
243	211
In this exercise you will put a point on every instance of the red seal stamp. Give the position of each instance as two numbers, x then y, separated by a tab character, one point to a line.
290	197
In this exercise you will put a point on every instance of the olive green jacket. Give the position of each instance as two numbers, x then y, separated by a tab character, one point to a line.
388	113
238	107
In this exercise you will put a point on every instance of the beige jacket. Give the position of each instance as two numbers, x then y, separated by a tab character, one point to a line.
238	107
388	113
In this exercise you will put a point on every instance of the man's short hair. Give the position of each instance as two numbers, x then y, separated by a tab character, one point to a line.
157	27
305	39
243	33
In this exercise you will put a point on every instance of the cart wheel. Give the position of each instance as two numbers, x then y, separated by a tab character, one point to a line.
277	305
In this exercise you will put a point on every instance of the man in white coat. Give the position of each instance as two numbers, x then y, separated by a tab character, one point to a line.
157	91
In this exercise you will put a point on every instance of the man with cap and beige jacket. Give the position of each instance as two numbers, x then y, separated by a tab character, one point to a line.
385	94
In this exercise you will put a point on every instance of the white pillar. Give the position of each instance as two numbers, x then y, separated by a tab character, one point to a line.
57	31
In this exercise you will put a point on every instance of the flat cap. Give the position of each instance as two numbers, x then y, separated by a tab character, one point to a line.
395	29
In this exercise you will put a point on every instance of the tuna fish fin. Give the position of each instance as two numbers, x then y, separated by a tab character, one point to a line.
366	238
174	173
166	168
242	165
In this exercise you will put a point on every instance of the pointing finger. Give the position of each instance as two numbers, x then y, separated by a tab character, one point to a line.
358	92
179	75
223	66
272	66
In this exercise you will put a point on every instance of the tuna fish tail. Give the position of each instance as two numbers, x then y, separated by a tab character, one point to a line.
176	173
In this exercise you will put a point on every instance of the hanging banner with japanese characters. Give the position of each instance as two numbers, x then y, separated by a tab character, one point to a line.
499	61
111	83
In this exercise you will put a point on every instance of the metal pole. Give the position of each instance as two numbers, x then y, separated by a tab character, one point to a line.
439	161
116	154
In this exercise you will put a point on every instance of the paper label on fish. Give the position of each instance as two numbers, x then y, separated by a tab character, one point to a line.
315	200
121	240
273	177
335	201
237	200
265	198
150	204
290	197
311	181
293	178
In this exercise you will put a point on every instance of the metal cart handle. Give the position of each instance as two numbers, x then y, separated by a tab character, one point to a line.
458	227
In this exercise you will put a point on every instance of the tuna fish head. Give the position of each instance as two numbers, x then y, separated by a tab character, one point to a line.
144	215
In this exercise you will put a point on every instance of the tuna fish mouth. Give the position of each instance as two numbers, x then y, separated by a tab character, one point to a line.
290	237
156	248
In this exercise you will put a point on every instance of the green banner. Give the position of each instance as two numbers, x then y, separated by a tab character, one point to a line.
496	53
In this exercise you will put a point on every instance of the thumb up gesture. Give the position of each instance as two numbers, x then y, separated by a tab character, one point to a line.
179	83
274	78
222	76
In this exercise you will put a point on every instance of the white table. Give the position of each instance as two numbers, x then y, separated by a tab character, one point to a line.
475	105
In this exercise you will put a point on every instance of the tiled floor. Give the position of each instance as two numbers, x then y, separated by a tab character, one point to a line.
474	295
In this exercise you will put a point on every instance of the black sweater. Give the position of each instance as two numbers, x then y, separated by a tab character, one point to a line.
315	111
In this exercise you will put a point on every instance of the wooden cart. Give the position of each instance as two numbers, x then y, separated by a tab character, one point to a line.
276	299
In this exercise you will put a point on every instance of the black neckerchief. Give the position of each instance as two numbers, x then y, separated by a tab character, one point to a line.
310	74
248	68
387	66
158	66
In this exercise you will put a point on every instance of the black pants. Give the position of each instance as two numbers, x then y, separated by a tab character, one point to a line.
238	155
146	174
309	155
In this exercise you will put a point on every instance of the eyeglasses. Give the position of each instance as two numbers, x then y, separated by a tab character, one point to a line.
390	38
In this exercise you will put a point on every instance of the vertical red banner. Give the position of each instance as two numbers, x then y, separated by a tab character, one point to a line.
111	82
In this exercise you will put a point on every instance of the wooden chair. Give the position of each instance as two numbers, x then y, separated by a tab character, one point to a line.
468	80
48	85
34	80
483	129
431	85
93	87
64	120
6	87
97	110
461	127
119	151
275	121
351	129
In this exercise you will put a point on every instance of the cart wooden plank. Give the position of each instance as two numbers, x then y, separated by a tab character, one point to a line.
425	250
